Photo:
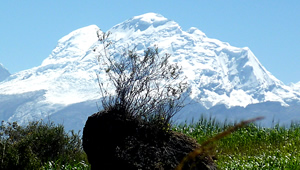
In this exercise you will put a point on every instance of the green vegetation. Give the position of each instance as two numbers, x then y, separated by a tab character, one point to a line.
39	145
252	147
47	146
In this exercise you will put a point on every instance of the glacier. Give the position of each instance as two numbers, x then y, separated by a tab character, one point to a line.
227	82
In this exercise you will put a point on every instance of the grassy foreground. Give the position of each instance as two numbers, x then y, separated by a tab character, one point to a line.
251	147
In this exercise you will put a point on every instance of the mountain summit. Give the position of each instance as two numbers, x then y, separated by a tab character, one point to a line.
226	81
142	22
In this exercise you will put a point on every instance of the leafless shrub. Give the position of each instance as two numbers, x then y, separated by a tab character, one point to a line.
146	86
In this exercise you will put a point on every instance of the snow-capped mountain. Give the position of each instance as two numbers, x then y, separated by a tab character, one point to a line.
4	73
226	81
219	73
66	77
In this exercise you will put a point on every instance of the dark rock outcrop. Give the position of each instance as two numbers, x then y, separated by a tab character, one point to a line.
113	141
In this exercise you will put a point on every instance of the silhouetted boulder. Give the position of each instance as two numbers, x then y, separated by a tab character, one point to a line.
113	140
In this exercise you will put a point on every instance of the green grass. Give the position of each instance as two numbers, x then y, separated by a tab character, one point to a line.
251	147
82	165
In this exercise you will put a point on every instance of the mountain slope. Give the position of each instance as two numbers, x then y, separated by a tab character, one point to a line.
63	73
223	78
66	77
4	73
295	86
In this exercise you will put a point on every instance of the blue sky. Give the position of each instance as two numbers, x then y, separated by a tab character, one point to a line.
29	30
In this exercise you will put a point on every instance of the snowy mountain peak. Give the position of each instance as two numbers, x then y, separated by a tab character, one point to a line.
4	73
149	23
151	18
73	45
218	72
196	31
